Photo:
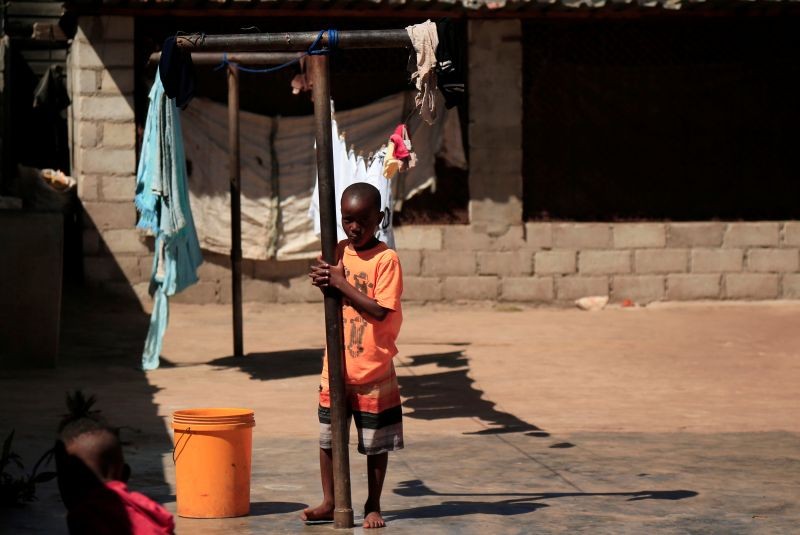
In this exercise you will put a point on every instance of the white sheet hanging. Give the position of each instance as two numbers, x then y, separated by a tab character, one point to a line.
275	207
350	168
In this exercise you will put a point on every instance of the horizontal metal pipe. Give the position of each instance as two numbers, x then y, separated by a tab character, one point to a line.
294	41
242	58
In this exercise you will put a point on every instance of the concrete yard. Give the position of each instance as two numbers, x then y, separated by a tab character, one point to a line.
665	419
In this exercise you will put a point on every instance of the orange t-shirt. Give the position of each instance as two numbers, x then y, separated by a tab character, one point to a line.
369	344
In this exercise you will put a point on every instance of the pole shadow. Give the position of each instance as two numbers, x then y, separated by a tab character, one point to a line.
275	364
515	504
452	394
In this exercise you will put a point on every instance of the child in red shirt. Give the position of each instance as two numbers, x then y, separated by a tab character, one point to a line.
91	475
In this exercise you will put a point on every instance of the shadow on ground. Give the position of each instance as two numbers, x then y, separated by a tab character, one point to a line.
275	364
433	396
518	502
429	396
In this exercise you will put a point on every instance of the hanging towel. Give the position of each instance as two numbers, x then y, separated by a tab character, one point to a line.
425	39
162	199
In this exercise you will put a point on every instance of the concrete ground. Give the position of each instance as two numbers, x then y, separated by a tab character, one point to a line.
666	419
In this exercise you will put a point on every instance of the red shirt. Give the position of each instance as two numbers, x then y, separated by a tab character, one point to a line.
112	509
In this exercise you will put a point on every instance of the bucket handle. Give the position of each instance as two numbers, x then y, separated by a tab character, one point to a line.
188	433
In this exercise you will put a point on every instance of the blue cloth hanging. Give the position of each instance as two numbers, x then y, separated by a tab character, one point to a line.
162	199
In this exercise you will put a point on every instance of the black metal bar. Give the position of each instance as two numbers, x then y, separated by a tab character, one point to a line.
236	208
242	58
343	510
294	41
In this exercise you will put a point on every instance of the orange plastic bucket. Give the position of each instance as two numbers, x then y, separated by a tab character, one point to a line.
212	455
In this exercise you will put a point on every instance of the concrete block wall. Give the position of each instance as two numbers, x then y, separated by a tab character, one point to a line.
117	257
548	263
561	262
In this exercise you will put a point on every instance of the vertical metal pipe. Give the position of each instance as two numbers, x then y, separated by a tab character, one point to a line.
343	510
236	208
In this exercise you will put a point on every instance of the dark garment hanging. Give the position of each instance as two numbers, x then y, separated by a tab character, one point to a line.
450	63
51	93
177	72
45	136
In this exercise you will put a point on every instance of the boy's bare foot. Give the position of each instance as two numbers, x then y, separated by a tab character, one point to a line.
374	520
321	513
372	515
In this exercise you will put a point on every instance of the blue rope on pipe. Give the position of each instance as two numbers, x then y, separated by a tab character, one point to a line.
313	50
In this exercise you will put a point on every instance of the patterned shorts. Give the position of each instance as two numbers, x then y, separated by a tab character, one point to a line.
376	410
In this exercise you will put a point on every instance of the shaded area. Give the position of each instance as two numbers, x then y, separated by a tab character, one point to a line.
634	119
275	364
275	508
452	394
417	487
462	508
522	502
102	335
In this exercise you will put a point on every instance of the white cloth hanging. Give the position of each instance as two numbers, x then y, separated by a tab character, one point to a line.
275	220
349	168
344	171
374	176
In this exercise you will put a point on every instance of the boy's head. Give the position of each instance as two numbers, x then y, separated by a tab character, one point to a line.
97	446
361	213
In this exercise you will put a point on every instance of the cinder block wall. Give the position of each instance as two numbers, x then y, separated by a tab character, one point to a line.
101	79
644	262
556	263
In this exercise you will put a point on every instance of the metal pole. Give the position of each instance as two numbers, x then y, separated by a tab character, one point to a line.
243	58
236	208
343	510
294	41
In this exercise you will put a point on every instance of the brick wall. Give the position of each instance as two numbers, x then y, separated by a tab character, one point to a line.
645	262
101	79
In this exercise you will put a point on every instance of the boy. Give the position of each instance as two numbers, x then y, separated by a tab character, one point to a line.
369	278
91	475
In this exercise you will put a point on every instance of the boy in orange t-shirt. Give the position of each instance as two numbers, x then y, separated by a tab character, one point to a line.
369	277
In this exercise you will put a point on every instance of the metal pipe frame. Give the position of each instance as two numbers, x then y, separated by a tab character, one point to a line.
319	71
294	41
334	329
235	171
242	58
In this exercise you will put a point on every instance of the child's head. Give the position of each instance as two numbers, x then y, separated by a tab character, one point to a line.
97	446
361	213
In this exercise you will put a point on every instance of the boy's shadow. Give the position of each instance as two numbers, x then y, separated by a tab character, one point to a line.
519	502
